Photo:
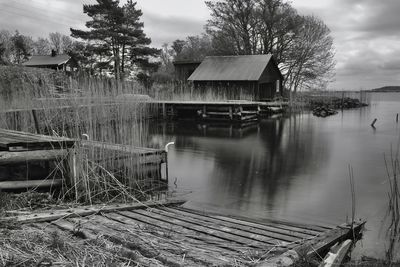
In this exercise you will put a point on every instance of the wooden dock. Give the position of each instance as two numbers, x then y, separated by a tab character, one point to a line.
147	163
228	111
170	235
38	161
232	111
25	159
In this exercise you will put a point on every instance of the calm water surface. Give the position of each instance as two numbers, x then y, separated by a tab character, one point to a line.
293	168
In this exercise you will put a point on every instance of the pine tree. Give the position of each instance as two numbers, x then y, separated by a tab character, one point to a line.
118	30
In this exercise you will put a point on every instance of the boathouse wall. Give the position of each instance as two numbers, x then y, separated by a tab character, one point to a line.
248	77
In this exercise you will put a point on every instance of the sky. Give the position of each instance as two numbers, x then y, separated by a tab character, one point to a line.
366	32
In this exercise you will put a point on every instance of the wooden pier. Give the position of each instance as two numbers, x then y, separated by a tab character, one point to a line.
147	163
166	234
38	161
229	111
25	158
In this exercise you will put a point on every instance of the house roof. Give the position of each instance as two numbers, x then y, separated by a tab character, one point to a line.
231	68
47	60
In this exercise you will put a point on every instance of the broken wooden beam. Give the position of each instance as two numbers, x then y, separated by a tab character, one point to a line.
15	185
7	158
86	211
336	255
316	246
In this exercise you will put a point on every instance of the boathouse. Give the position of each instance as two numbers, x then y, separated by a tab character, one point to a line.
255	77
53	61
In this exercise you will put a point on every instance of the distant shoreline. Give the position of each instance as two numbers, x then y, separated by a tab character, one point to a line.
386	89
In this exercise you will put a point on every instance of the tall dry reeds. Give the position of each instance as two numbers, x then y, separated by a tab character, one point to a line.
393	212
81	106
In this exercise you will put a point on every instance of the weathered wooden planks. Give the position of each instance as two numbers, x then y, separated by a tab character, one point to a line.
22	141
86	211
337	254
11	185
8	158
176	236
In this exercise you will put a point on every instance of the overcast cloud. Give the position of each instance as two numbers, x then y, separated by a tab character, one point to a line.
367	39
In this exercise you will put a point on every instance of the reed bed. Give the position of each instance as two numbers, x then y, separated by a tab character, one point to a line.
84	107
99	109
182	91
392	220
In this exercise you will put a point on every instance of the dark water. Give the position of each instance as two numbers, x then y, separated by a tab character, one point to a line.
293	168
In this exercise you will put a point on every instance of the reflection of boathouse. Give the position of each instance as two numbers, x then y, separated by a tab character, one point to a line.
257	76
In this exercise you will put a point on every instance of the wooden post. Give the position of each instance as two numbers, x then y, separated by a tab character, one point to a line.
397	117
34	115
230	113
73	172
204	111
164	111
342	100
373	123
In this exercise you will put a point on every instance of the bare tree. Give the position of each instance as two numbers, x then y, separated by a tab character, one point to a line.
196	48
236	21
310	58
301	45
66	44
56	42
42	46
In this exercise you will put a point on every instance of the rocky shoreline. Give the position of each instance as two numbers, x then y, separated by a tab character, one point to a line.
329	106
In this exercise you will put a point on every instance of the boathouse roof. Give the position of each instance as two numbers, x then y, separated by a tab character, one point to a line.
56	60
232	68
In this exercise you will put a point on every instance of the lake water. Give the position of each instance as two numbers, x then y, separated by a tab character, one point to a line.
294	167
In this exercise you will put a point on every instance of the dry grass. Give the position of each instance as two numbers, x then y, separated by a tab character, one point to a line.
31	246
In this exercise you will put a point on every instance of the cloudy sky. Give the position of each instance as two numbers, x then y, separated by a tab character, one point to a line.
366	32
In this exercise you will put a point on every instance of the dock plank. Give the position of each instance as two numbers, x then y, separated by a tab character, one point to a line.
226	234
164	240
187	234
230	228
14	140
264	224
272	232
128	239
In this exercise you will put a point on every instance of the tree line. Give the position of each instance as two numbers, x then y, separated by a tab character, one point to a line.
301	44
115	42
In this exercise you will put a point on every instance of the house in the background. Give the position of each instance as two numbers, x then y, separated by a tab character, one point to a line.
255	76
185	68
53	61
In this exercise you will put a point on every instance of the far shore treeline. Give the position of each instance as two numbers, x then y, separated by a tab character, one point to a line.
115	43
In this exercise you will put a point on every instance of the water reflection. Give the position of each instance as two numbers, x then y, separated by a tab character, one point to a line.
293	167
243	168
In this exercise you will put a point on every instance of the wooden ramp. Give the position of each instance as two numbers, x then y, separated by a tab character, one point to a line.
176	236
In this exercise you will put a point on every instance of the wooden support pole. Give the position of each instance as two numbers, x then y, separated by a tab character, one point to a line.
231	112
164	111
373	123
35	119
73	172
397	117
